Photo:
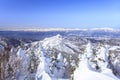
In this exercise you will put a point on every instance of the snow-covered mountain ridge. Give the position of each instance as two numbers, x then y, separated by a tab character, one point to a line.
59	58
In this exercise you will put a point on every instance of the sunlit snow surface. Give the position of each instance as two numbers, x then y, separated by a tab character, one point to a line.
51	67
84	73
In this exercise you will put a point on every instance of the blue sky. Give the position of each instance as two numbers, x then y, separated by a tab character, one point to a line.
59	13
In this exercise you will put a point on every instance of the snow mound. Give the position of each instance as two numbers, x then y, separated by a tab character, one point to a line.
52	42
84	71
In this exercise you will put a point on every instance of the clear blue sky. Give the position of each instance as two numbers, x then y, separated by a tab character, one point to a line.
59	13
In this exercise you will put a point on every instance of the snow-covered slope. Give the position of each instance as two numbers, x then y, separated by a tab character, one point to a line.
56	58
84	71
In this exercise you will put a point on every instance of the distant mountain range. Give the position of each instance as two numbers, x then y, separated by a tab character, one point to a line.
40	34
59	29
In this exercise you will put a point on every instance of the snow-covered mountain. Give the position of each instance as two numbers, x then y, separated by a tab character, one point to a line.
59	58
